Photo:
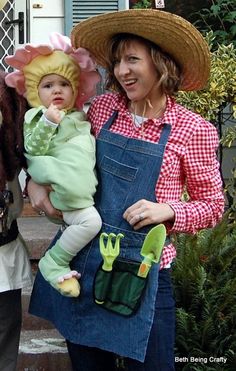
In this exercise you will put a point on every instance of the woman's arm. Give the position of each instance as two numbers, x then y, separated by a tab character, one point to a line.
205	205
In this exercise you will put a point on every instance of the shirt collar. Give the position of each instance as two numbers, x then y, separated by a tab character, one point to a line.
119	103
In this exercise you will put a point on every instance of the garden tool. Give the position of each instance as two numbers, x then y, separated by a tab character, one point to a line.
152	249
109	254
108	251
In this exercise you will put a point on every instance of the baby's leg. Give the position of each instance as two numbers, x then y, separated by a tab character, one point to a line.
54	266
83	226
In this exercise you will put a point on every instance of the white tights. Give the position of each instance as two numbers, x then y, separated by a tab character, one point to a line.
83	226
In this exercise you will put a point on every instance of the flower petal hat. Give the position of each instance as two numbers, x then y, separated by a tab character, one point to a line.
172	33
32	62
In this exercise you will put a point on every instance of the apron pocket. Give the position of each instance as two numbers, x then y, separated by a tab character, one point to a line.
120	290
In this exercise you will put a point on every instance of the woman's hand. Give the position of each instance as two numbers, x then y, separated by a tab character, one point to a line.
145	212
39	199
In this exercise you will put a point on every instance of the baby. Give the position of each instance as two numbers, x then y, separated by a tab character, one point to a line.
60	150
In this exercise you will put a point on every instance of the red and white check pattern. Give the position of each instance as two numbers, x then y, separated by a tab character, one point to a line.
189	162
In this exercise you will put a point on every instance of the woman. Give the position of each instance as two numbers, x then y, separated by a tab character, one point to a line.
149	150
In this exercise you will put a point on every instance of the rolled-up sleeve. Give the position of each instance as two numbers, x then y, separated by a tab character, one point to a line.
205	204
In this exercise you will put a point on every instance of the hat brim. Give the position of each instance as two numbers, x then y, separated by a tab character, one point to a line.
172	33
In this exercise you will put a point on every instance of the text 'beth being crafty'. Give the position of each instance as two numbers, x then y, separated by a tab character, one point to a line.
200	360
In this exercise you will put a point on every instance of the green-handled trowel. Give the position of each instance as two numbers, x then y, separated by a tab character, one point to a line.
152	249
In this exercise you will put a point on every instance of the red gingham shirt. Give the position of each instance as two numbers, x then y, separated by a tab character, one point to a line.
189	162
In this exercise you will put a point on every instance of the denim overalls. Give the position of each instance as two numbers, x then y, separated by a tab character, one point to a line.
128	170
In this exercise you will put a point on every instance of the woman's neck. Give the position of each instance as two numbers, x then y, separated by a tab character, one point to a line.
147	108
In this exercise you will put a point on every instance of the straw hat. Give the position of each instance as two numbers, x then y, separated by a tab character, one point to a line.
172	33
2	3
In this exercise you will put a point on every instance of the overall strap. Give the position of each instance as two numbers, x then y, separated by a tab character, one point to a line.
110	121
165	134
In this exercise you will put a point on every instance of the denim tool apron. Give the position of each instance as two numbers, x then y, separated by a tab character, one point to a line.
128	170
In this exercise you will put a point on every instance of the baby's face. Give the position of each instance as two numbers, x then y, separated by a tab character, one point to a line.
55	89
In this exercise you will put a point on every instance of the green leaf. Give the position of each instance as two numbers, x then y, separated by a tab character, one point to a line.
215	9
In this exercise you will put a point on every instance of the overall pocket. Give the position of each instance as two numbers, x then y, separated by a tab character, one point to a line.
120	290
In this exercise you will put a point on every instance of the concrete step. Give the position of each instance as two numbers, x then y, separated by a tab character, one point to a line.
43	350
38	233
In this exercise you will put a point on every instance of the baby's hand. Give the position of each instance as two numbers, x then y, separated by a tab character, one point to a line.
53	114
